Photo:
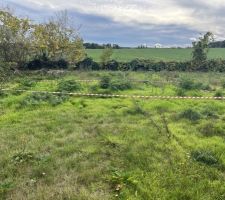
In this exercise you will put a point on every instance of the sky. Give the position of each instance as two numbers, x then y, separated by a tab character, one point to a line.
133	22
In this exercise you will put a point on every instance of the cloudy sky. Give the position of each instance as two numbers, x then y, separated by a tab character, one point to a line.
133	22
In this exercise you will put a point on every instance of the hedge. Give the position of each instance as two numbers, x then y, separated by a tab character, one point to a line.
150	65
134	65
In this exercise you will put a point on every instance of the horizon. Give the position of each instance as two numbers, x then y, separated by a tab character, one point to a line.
170	23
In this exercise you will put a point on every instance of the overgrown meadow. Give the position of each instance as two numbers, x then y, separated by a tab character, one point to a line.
67	147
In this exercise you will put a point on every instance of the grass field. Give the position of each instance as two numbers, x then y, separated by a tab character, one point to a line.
79	148
154	54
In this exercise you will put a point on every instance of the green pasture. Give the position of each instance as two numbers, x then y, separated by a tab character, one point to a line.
56	147
126	55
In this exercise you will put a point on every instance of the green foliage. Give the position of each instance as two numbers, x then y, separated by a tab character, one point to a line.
120	84
115	84
201	48
76	144
37	99
188	84
180	92
211	129
190	114
206	157
105	82
22	41
120	179
106	56
223	84
136	109
219	93
23	157
27	83
5	187
68	86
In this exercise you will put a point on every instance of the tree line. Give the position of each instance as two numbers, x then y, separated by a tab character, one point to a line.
22	41
56	44
101	46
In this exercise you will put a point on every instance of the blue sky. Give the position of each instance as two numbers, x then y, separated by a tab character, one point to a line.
133	22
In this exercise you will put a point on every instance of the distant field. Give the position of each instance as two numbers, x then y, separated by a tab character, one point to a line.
155	54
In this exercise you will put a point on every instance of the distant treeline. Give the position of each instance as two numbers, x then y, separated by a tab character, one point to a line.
101	46
218	44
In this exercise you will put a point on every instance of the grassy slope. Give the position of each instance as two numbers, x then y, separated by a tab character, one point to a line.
88	148
155	54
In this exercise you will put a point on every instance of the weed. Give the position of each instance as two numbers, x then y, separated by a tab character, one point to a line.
105	82
188	84
219	93
206	157
120	179
136	109
68	86
190	114
120	84
180	92
223	84
24	157
36	99
27	83
5	187
211	129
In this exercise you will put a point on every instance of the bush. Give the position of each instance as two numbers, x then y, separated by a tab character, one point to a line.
210	112
120	84
190	114
210	129
26	84
36	99
219	93
180	92
188	84
105	82
68	86
205	157
112	65
223	84
88	64
44	63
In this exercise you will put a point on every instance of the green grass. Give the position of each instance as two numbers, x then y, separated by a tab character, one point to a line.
126	55
83	148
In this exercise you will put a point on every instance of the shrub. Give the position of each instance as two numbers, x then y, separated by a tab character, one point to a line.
190	114
88	64
36	99
112	65
120	84
26	83
23	157
44	63
223	84
105	82
210	129
210	112
180	92
219	93
68	86
136	109
205	157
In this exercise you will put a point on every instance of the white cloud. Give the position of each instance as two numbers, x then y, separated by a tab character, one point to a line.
199	15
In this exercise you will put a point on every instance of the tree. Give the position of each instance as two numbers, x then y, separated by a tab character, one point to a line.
106	56
201	48
15	35
58	40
